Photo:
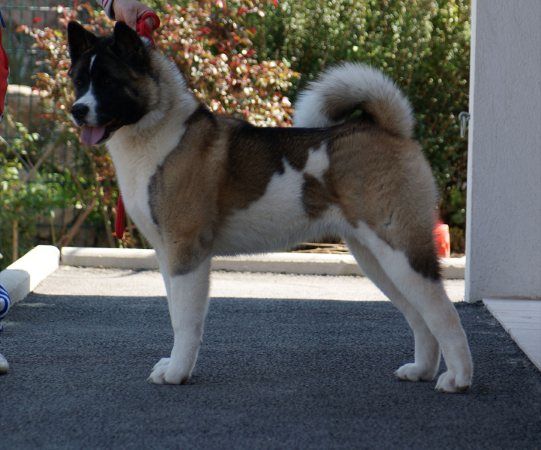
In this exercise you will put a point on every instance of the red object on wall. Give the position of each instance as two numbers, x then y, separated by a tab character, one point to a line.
442	239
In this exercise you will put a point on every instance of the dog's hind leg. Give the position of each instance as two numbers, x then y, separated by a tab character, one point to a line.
188	304
427	349
427	295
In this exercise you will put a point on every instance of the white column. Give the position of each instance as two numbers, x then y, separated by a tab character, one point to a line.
503	244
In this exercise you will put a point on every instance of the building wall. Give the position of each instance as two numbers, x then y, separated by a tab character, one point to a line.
503	242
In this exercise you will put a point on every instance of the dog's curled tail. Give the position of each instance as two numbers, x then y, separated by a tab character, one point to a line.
348	87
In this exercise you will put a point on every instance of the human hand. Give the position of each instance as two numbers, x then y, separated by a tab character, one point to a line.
129	11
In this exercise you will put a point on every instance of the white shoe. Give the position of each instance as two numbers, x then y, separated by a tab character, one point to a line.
4	365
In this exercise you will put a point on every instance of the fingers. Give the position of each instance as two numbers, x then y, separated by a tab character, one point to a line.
132	13
150	23
140	10
129	10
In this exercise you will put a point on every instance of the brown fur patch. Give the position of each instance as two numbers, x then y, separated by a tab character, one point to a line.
338	111
316	197
222	165
385	182
425	261
182	194
254	155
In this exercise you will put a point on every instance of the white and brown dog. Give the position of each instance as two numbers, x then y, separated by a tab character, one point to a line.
197	185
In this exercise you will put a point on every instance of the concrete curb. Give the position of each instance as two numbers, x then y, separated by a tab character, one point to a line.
293	263
24	275
117	258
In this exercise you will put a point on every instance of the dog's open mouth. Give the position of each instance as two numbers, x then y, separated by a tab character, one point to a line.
95	135
92	135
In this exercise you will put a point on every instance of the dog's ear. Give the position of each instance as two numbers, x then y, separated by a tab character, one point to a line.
79	40
129	46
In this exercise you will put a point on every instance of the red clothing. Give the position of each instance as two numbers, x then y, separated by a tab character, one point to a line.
4	71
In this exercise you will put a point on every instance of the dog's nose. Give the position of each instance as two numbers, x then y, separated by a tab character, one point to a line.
79	112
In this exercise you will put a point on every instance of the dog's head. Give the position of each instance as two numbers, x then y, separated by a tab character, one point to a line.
111	76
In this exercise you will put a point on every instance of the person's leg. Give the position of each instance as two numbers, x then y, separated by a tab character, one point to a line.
5	303
4	71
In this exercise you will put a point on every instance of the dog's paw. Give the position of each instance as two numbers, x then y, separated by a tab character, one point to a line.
414	372
164	372
451	382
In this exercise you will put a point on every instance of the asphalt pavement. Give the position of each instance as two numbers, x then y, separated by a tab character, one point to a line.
286	362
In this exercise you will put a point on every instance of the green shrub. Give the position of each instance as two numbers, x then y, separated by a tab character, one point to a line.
423	45
210	42
250	58
31	187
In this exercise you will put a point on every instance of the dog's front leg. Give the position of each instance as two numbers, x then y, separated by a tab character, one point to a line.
188	304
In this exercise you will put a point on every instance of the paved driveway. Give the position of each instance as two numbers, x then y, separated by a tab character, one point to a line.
291	373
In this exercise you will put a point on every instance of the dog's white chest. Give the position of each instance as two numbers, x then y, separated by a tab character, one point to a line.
133	184
136	161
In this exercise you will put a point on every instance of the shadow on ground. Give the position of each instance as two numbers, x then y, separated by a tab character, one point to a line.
271	374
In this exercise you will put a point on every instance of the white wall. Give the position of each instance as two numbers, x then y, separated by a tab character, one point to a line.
503	243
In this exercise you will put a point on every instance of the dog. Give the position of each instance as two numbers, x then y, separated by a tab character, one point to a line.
198	184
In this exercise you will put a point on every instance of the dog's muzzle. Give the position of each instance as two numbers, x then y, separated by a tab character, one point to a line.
79	111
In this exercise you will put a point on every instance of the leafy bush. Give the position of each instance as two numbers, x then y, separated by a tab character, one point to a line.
249	58
424	45
209	41
213	45
31	187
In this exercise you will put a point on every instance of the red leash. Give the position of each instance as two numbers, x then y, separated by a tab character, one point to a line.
146	24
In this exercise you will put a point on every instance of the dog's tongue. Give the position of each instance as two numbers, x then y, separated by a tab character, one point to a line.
92	135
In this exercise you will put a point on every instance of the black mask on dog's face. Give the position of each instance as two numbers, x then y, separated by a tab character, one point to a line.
110	76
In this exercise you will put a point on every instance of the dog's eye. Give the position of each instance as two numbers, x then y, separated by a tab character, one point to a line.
78	83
